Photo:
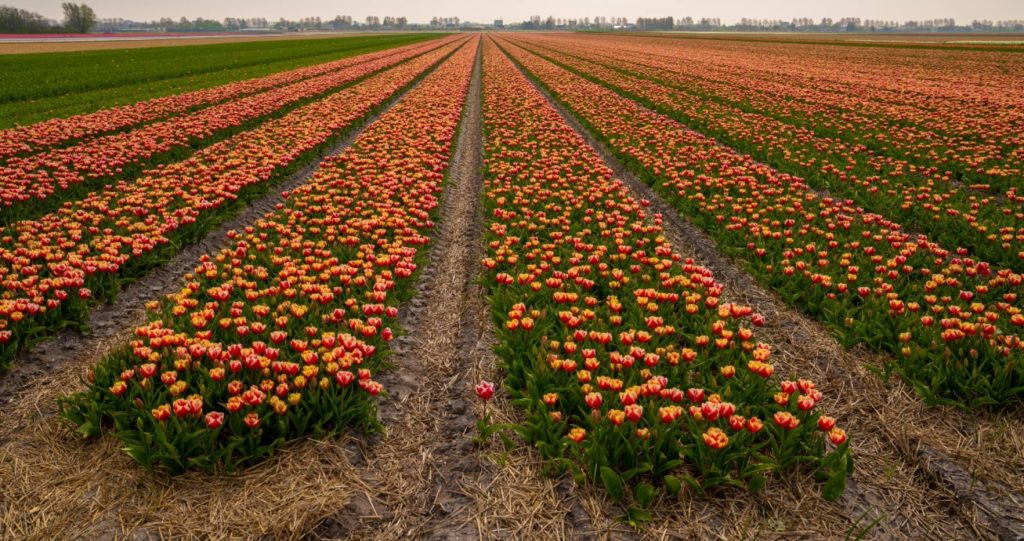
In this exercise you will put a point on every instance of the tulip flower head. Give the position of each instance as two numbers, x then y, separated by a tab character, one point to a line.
715	438
485	390
837	436
214	419
577	434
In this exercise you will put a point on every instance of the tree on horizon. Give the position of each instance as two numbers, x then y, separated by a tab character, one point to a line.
78	17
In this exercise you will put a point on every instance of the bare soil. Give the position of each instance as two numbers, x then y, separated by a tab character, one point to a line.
416	469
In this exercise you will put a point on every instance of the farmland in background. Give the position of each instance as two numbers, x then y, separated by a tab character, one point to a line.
46	85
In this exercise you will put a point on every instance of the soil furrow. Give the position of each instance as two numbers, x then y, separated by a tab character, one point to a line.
413	471
890	485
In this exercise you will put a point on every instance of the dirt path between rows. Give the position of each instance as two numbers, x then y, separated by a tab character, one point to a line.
906	476
59	487
427	478
428	417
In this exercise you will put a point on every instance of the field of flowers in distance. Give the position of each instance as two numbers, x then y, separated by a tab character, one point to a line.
515	285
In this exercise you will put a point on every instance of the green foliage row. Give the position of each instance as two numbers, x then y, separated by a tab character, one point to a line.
36	87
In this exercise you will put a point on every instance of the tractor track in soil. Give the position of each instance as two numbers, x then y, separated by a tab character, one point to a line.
427	477
111	497
890	464
412	473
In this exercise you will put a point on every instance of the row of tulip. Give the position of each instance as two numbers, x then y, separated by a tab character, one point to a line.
631	369
986	220
57	131
53	266
885	97
953	323
36	184
275	337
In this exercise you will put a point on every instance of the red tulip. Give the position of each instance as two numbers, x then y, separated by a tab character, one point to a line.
344	377
484	390
577	434
669	413
162	412
214	419
182	407
634	412
786	420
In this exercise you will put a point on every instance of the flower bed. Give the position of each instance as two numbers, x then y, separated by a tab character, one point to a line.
54	265
39	183
953	322
275	337
631	369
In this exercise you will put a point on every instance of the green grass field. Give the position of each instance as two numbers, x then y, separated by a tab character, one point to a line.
39	86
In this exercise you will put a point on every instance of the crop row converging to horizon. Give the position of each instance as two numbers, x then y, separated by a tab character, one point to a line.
887	209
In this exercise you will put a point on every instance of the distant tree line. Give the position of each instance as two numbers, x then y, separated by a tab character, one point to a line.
536	22
654	23
598	23
846	24
856	24
445	22
78	18
238	24
21	21
81	18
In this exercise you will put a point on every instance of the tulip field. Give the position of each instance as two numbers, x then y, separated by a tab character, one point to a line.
64	85
522	286
872	279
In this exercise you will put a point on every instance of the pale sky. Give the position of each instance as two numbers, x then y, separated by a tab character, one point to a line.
516	10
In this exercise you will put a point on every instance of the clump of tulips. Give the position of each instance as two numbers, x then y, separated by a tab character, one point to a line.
57	263
632	370
953	322
35	184
276	337
23	140
954	201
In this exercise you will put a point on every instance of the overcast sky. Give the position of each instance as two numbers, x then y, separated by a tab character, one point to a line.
481	10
